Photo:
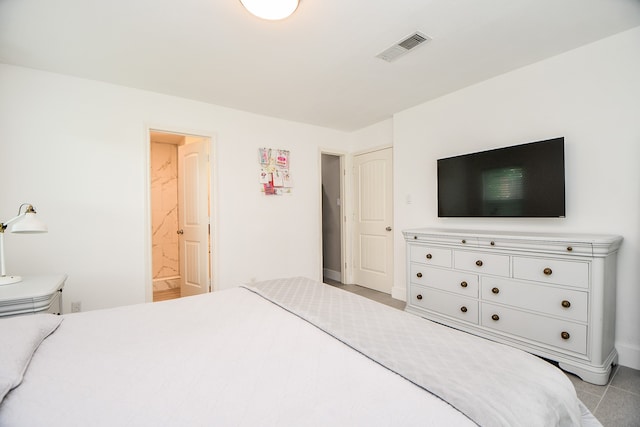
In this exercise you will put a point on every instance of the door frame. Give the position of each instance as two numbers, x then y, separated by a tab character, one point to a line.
345	275
213	198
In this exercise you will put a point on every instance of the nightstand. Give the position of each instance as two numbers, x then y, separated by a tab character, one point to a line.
34	294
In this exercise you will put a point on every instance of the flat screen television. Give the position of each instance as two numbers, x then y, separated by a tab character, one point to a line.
524	180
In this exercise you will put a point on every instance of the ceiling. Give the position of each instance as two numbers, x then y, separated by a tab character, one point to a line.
319	66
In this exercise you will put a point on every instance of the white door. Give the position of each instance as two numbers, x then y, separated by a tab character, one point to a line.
193	217
373	258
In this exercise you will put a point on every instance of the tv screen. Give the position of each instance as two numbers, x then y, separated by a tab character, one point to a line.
520	181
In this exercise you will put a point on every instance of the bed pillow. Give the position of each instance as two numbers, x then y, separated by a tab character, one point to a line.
20	337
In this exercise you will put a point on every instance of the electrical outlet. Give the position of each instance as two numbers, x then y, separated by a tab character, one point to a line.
76	307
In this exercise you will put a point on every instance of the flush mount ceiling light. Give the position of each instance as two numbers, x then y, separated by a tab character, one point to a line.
272	10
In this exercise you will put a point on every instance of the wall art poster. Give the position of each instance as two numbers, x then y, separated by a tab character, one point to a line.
275	173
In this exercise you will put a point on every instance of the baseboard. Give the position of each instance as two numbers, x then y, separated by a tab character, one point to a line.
400	293
332	274
628	355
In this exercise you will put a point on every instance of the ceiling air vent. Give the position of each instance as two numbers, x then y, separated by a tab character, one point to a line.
403	46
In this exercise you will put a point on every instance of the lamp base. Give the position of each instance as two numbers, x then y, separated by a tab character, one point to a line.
7	280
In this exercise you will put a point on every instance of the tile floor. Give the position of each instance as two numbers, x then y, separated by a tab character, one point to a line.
616	404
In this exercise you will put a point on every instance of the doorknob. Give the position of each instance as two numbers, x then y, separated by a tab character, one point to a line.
181	231
388	228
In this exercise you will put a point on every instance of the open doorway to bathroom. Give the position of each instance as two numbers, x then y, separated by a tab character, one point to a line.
180	217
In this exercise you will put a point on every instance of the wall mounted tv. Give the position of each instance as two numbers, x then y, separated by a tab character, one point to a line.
520	181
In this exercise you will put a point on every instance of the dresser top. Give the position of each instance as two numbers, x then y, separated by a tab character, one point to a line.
599	243
32	287
563	237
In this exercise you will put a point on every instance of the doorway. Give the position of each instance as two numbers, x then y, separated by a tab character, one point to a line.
180	201
332	217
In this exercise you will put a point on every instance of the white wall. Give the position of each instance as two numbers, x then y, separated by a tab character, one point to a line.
377	135
591	96
77	150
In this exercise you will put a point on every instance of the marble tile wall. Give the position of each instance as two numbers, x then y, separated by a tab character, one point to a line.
164	215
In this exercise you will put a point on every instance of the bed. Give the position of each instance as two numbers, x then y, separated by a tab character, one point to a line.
286	352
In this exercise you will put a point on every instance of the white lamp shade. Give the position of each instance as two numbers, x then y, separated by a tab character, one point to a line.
271	9
29	224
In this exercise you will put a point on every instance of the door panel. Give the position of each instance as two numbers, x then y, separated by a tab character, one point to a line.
373	250
193	199
373	183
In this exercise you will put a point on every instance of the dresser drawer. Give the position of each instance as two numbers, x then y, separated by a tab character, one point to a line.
431	255
445	303
447	280
482	262
568	303
561	334
549	270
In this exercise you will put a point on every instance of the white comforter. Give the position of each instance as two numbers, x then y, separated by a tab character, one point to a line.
227	359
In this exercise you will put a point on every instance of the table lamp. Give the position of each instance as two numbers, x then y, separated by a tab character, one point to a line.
24	223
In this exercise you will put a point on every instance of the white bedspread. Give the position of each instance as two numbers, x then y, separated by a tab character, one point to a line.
234	358
229	358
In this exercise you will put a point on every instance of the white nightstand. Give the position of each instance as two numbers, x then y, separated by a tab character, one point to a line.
34	294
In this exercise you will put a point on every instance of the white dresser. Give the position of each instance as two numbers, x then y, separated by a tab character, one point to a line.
549	294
